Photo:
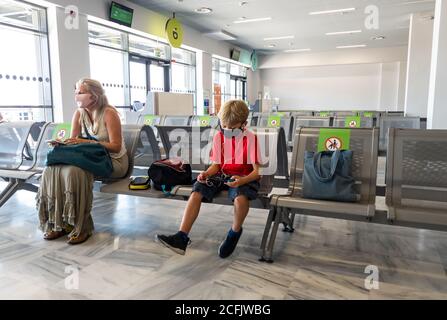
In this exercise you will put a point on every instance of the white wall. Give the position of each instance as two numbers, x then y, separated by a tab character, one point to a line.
337	57
341	87
353	79
389	86
419	63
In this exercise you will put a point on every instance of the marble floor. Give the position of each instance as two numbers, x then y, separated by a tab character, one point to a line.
323	259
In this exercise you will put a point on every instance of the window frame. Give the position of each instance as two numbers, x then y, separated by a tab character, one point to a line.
43	55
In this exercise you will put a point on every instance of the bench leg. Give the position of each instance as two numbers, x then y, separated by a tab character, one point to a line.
9	191
268	225
276	217
288	221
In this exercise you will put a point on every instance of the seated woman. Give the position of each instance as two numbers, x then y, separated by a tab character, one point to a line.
65	196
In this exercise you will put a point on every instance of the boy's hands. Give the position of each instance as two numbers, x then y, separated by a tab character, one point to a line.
202	177
235	181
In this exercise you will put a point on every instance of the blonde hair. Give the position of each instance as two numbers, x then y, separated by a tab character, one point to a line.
234	112
95	88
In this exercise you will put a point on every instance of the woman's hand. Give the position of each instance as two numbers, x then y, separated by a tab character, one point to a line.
78	141
202	177
237	182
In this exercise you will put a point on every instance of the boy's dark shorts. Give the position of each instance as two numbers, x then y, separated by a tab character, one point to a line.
250	190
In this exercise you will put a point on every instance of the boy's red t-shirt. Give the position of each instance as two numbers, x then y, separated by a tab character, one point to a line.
236	155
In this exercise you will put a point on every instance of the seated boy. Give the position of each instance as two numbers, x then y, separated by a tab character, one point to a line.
235	167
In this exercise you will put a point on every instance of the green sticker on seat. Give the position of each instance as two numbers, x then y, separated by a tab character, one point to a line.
149	120
368	114
324	114
62	131
334	139
204	121
353	122
274	122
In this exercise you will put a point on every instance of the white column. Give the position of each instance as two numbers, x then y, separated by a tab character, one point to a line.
437	101
418	69
70	61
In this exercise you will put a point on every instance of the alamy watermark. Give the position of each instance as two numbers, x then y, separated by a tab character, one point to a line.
72	280
372	280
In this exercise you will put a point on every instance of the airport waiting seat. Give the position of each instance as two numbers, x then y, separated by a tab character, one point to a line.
395	121
205	121
364	144
348	122
268	141
21	179
193	144
148	149
313	122
302	113
282	160
176	121
416	177
274	120
345	113
13	146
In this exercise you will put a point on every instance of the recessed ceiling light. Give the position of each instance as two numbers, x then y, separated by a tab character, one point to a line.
353	46
297	50
378	38
252	20
279	38
243	3
271	45
204	10
332	11
343	32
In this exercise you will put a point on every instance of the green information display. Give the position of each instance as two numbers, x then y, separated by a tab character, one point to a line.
62	131
174	32
149	120
334	139
205	121
368	114
121	14
353	122
274	121
324	114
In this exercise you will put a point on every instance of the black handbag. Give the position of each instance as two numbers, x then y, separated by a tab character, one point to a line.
168	173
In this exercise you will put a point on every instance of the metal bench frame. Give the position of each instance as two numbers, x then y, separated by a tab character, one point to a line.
284	207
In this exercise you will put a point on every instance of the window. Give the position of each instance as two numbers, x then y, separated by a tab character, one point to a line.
229	82
127	65
183	73
108	61
25	83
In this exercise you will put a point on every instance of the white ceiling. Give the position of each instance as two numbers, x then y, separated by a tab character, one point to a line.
291	17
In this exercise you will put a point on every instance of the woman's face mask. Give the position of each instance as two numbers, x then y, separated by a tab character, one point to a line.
83	100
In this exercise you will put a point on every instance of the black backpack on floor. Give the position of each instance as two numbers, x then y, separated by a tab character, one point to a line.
168	173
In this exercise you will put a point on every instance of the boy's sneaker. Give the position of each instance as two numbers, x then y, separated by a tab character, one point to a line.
175	242
229	244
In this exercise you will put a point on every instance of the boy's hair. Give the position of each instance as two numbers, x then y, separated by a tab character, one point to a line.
233	112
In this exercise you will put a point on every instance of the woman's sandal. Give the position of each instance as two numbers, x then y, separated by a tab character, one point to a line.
78	239
52	235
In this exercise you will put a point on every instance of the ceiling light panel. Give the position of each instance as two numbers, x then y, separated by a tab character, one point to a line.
346	10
